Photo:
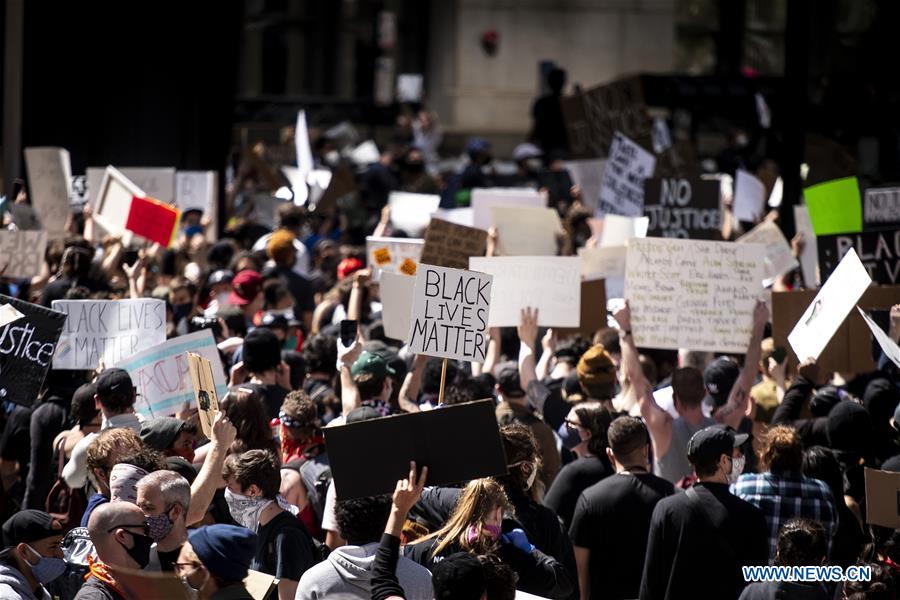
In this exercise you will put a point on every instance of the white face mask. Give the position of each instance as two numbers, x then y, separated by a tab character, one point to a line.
245	510
737	467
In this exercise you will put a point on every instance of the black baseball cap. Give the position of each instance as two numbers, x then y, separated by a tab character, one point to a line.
718	378
460	576
261	350
28	526
707	445
220	276
114	383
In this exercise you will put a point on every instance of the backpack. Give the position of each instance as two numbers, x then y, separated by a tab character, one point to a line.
315	473
63	503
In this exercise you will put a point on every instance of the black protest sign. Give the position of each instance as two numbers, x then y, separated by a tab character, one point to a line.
879	252
881	208
683	208
457	443
26	350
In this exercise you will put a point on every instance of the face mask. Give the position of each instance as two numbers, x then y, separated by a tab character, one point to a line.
245	510
140	551
492	531
737	467
194	592
159	526
569	435
181	311
47	568
414	168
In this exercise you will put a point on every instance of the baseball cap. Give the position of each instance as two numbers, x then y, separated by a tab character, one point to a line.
247	285
362	413
114	384
460	576
160	433
719	377
261	351
28	526
525	151
348	266
274	321
220	276
708	444
370	363
508	380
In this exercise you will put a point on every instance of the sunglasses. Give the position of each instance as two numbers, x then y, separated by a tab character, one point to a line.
143	527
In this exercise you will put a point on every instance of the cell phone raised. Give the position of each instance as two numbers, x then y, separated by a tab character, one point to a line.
348	332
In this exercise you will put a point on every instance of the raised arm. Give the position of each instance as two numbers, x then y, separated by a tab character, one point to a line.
528	332
409	391
354	306
210	476
349	393
738	402
548	347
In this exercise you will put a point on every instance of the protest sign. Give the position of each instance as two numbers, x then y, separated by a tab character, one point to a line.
260	586
588	176
196	190
879	252
450	245
459	216
593	310
683	208
616	230
9	314
163	376
50	186
484	199
22	253
109	329
156	182
396	290
153	220
552	284
412	212
834	206
882	498
450	312
809	256
388	254
830	307
135	583
628	165
113	202
693	294
887	345
602	263
409	87
526	231
206	396
301	143
430	438
779	258
749	197
882	207
27	345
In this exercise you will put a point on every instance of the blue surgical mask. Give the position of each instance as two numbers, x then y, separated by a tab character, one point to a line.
569	436
47	568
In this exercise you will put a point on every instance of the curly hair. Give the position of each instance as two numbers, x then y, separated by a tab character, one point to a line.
109	444
522	454
254	467
782	450
362	520
244	407
300	407
880	587
320	354
596	419
801	542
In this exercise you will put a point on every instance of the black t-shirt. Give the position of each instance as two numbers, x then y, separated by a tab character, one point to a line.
47	421
573	479
612	519
15	445
273	396
167	560
56	290
284	548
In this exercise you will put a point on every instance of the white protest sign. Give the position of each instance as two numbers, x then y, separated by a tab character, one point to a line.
157	182
409	87
552	284
628	165
450	313
109	329
830	307
365	154
394	254
602	263
22	253
888	346
195	190
693	294
93	176
301	143
9	314
588	176
617	230
396	290
882	205
526	231
162	377
50	184
113	202
749	197
484	199
412	212
809	257
460	216
779	258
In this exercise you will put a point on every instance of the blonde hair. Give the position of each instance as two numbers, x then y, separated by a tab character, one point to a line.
479	498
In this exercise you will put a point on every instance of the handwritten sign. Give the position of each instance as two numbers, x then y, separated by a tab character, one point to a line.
749	197
109	329
196	190
616	230
628	165
879	252
22	252
525	231
396	301
602	263
809	256
683	208
887	345
157	182
389	254
588	176
153	220
693	294
882	206
484	199
779	258
206	396
412	212
450	313
113	202
450	245
50	183
26	350
552	284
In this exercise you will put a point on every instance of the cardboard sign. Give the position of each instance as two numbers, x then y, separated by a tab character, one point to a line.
526	231
693	294
616	230
162	373
50	186
27	345
882	498
879	252
749	197
9	314
396	303
602	263
882	207
431	438
450	314
829	308
205	396
887	345
260	585
149	584
113	202
628	165
587	175
153	220
809	256
109	329
484	199
552	284
593	310
779	258
388	254
22	253
683	208
450	245
412	212
834	206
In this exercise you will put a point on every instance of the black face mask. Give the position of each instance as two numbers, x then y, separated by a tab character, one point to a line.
414	168
140	552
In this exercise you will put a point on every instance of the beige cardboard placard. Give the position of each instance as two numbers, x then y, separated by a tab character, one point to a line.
450	245
593	309
882	498
204	391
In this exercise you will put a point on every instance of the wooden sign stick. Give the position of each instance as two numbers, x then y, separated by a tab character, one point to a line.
443	380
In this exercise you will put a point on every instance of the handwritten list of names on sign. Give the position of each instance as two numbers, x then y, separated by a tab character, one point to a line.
693	294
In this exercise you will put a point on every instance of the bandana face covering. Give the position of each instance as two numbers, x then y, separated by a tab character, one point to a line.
245	510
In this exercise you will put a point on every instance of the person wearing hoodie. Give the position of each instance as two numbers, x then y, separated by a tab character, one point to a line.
171	436
348	571
32	556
